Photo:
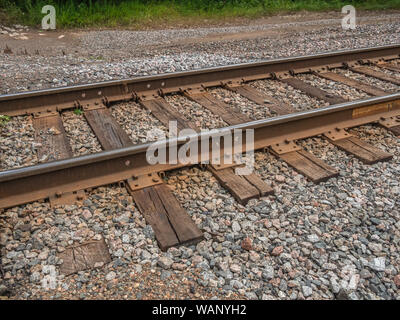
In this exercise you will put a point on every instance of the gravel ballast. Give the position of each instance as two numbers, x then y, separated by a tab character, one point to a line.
334	88
18	147
288	95
249	108
80	136
335	240
337	237
140	125
383	85
194	112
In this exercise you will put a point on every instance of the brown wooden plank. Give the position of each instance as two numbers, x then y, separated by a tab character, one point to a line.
50	134
171	224
68	265
239	187
107	130
309	165
184	227
94	252
389	66
164	112
111	136
352	83
313	91
376	74
85	256
263	188
262	98
219	108
391	124
362	150
80	258
161	210
148	203
243	188
395	130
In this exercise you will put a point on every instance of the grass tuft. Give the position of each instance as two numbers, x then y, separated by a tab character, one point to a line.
4	120
78	111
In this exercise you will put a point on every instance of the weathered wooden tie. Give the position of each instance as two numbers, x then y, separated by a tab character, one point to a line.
392	124
362	150
85	256
352	83
376	74
242	187
171	224
110	135
237	184
164	112
51	137
395	130
227	113
274	105
313	91
388	66
107	130
54	145
304	162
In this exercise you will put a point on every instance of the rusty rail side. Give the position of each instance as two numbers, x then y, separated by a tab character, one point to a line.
104	92
28	184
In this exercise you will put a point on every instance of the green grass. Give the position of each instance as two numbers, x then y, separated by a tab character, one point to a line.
4	120
139	13
78	111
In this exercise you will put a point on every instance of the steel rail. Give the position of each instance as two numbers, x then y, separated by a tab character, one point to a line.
118	90
23	185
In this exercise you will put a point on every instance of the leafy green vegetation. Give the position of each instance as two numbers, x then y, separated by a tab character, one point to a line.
78	111
140	13
4	120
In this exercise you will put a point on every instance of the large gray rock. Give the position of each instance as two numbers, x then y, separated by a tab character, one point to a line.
165	262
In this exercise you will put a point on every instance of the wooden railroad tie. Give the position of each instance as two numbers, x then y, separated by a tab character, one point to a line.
242	187
362	150
106	128
274	105
312	91
304	162
54	145
165	113
389	66
392	124
227	113
171	224
373	91
51	137
375	74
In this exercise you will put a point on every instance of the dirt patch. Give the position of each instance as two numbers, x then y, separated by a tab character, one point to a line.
42	42
69	41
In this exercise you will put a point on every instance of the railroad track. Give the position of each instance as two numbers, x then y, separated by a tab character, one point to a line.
66	179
